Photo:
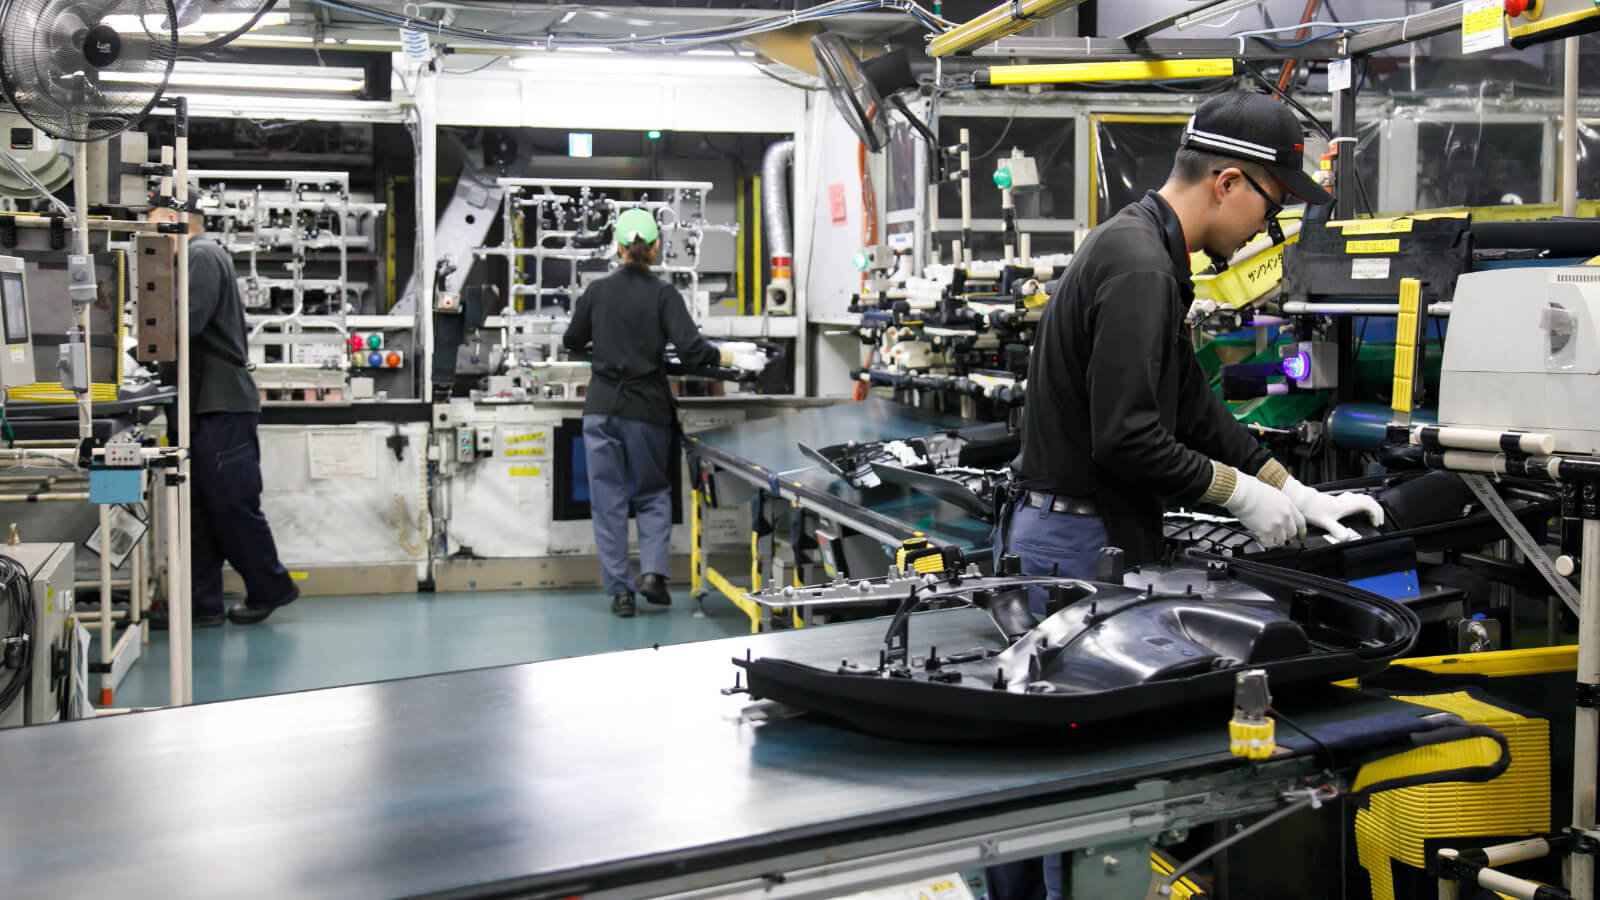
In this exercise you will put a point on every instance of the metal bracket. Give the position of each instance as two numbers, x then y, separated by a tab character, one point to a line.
1588	695
1115	870
1519	535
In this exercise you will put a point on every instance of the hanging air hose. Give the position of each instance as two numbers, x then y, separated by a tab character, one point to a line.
16	648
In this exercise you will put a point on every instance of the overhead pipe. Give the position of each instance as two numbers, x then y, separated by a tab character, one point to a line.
775	215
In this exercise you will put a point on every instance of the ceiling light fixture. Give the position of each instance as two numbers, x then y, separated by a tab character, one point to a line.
317	79
564	62
210	23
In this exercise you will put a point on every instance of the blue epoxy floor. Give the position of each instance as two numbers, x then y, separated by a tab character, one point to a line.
325	641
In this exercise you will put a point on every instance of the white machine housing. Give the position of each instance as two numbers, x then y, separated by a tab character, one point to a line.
1522	352
50	580
16	355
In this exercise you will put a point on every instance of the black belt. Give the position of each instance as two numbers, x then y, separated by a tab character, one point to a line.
1076	506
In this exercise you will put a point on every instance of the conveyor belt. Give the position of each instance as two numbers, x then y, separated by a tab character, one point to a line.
621	774
766	452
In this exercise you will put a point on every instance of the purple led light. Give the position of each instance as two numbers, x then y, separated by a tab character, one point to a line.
1298	366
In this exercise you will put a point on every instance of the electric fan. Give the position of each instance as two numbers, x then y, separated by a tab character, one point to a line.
86	70
860	89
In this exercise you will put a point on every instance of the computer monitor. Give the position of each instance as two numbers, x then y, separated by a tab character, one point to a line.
16	354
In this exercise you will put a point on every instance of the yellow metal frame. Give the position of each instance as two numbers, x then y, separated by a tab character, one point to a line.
1095	119
1139	70
1494	664
758	294
995	24
702	574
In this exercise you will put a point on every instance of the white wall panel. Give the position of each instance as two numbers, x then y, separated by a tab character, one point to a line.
364	519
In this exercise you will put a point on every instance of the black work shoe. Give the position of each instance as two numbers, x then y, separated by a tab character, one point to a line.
654	588
622	605
248	613
208	620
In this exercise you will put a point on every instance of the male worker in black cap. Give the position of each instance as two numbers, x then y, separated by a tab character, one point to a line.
1120	419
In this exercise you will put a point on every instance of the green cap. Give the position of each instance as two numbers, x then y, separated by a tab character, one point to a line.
636	224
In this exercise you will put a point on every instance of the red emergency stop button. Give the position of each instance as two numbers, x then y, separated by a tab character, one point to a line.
1516	8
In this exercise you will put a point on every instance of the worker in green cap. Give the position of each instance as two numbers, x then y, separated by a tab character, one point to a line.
626	320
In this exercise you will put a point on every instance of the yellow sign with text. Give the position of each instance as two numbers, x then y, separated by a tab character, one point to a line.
1391	246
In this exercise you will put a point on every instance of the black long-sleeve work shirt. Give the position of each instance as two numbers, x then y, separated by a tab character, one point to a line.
1118	408
630	316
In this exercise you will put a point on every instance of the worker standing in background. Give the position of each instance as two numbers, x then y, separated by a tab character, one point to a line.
629	415
225	454
1120	419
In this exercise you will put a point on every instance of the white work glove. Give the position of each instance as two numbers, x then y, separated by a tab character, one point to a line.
750	360
1269	514
1325	510
728	350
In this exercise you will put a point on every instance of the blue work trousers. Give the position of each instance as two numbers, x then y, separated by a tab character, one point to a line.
629	463
1046	542
226	508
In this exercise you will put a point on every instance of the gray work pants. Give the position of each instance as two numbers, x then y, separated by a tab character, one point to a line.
628	463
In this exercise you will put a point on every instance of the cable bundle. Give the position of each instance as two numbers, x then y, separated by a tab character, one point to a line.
18	642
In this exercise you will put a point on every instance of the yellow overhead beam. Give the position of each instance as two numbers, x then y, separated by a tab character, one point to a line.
1006	19
1065	73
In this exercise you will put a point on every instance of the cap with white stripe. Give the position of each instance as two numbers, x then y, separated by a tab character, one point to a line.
1255	128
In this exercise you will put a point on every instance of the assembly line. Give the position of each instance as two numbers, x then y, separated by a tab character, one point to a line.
862	448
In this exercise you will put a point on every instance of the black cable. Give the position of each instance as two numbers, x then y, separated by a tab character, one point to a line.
1304	113
1010	120
18	594
1278	713
492	61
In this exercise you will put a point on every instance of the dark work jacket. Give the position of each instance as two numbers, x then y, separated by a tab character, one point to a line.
630	316
219	361
1118	408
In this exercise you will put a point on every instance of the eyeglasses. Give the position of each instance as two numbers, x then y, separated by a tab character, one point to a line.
1274	230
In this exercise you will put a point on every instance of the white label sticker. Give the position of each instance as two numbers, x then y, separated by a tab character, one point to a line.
18	354
1339	75
1369	269
343	454
1483	25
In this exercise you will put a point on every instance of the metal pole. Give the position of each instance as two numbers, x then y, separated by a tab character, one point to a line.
177	610
1569	131
179	616
1588	718
136	576
105	603
1449	888
152	545
965	258
1344	207
427	221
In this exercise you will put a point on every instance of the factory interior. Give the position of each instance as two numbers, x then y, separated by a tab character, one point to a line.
1007	449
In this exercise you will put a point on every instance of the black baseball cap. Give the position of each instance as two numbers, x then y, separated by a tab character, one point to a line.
1254	127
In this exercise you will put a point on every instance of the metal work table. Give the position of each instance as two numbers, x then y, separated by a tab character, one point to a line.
626	774
765	454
